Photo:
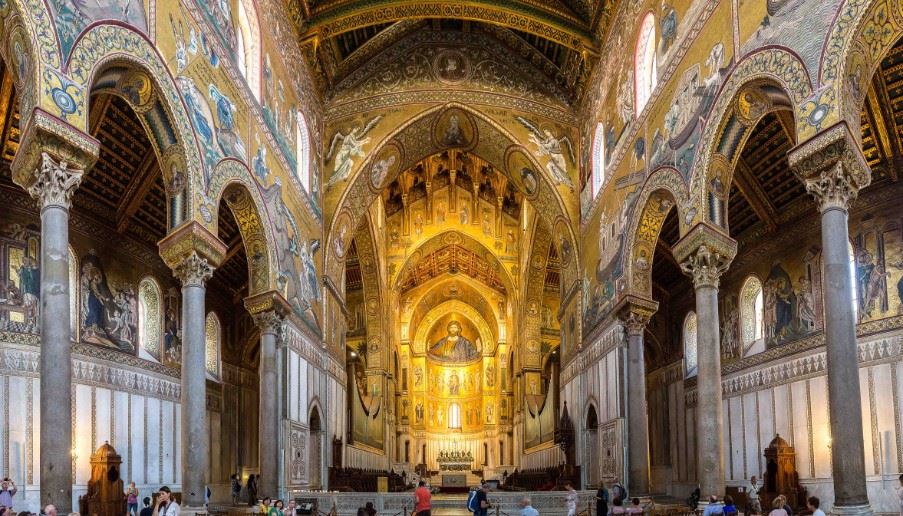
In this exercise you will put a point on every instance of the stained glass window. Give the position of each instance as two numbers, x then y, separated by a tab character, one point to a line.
752	310
645	73
690	333
212	344
150	317
454	416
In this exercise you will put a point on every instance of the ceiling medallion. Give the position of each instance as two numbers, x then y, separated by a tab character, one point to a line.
451	67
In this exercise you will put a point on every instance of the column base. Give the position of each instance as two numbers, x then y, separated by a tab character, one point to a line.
853	510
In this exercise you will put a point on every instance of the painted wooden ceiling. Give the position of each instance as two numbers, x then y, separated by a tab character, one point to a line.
339	35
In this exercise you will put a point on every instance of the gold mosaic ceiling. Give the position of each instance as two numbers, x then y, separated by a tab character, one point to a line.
339	35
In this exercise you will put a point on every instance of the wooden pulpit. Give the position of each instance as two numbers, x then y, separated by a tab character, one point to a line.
106	494
781	477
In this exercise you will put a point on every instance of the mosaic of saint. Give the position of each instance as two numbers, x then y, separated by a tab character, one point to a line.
455	347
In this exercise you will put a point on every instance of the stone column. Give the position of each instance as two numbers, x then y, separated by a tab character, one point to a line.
270	323
194	272
832	167
704	254
53	190
635	313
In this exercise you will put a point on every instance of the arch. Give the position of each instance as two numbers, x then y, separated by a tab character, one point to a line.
598	163
150	317
418	346
645	73
470	286
689	335
490	142
73	294
141	77
212	344
861	35
663	190
774	78
752	311
315	446
232	181
303	152
248	50
29	46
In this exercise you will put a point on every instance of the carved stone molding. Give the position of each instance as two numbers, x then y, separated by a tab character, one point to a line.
54	183
193	271
704	254
832	167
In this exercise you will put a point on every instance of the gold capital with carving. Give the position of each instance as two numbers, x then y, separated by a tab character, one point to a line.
832	167
635	312
55	183
193	271
704	254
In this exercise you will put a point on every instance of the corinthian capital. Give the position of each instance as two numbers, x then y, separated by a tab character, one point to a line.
269	321
55	183
704	253
705	266
832	167
193	271
635	312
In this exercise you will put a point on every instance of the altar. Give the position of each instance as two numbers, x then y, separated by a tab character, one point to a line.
455	460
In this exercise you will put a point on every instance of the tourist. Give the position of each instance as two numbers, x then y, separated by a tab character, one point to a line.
265	505
483	504
571	499
693	501
602	500
166	506
528	509
290	508
729	508
147	510
422	499
370	509
132	499
618	506
252	490
8	489
276	509
777	507
753	505
618	490
786	505
236	488
49	510
900	494
636	508
814	504
714	507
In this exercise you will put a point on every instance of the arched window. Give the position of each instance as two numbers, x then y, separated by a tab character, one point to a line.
302	168
150	318
598	159
854	285
247	53
645	73
73	294
454	416
212	344
752	311
690	357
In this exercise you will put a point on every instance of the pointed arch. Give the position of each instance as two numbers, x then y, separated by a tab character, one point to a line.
248	50
689	336
598	164
150	318
752	311
303	152
645	65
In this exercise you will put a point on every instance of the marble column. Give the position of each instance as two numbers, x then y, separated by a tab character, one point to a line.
194	271
270	323
704	254
635	313
53	190
833	169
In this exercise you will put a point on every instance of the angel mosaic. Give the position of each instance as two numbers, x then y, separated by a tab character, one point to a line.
350	146
549	145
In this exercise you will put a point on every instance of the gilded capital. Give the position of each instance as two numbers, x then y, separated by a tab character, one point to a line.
832	167
54	183
191	239
43	136
269	309
635	312
193	271
269	321
704	254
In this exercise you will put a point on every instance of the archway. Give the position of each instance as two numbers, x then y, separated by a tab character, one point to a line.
591	459
315	442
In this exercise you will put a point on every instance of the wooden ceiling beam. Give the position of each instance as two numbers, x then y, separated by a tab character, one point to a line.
234	247
755	195
880	108
666	251
136	191
98	110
